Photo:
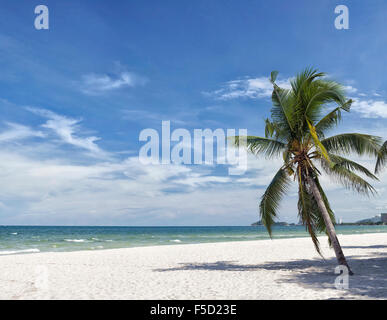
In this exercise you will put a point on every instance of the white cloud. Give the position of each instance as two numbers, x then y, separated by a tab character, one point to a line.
18	132
350	89
95	84
196	180
66	128
371	108
48	190
252	88
42	184
115	192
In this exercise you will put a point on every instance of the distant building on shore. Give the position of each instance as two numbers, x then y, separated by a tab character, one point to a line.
383	217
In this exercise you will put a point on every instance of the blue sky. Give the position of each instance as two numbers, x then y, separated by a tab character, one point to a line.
74	98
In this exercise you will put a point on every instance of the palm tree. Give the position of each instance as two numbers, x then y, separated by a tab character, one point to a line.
300	118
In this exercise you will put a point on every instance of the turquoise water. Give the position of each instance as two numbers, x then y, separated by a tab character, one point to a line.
16	240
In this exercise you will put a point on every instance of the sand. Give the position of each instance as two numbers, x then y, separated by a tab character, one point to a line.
266	269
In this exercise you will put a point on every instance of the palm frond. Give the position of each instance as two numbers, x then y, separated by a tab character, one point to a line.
277	131
347	178
271	198
270	128
351	165
281	112
273	76
319	145
303	79
321	93
332	118
381	158
347	143
307	212
321	226
265	146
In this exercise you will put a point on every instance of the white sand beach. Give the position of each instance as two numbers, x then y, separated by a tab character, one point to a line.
267	269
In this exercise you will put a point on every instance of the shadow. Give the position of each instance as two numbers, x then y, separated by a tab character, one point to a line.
365	247
232	266
369	281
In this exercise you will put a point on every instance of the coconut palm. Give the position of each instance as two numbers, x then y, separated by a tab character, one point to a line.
300	118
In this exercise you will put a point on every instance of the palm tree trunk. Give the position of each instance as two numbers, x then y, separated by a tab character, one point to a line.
329	225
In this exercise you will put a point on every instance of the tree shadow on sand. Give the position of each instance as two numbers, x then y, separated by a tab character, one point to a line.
369	281
365	247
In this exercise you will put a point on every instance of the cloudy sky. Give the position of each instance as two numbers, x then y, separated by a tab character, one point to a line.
74	98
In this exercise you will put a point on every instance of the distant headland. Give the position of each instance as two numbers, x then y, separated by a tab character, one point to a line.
259	223
380	219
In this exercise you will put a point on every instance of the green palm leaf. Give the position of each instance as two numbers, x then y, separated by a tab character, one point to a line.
351	165
271	198
347	143
281	112
348	179
319	95
332	118
319	145
382	158
264	146
307	213
321	226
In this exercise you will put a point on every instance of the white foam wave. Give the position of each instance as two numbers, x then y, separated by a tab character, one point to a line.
176	240
3	253
75	240
97	247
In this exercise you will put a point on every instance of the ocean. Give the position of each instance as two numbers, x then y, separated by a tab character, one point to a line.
29	240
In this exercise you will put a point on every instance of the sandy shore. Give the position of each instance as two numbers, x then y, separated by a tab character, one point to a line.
268	269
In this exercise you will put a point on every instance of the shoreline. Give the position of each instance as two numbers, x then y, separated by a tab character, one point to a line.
257	269
99	245
186	244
